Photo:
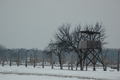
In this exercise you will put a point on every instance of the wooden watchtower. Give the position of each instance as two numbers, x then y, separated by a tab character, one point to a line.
90	48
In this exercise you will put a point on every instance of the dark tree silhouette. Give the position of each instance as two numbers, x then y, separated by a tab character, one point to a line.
58	48
71	38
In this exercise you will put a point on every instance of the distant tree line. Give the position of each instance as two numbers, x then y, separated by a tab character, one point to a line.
111	54
15	53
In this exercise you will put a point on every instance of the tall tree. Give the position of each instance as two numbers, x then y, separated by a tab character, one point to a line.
72	38
58	48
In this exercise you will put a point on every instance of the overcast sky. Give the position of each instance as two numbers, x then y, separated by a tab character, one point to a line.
31	23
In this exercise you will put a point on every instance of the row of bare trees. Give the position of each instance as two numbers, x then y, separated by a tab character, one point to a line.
67	40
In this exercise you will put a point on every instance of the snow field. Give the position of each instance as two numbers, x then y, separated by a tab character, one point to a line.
30	73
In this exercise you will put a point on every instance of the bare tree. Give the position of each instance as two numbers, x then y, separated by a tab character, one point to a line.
69	38
58	48
72	38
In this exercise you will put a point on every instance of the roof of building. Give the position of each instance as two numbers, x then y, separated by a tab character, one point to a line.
90	32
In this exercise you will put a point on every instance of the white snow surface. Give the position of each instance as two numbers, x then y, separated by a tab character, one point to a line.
37	73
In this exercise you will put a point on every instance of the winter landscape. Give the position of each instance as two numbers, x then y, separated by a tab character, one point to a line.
30	73
59	40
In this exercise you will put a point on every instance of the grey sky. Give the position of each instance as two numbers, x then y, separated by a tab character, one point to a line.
31	23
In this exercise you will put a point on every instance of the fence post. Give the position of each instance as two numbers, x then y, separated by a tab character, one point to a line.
3	59
10	56
18	58
26	59
35	57
43	60
118	61
106	60
52	60
68	66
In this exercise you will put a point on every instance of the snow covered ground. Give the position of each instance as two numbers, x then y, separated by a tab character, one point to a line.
37	73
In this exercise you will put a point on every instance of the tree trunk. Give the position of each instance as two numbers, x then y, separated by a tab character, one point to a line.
52	60
60	62
105	62
86	63
81	61
72	61
77	63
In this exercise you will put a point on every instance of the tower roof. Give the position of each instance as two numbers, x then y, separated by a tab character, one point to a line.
90	32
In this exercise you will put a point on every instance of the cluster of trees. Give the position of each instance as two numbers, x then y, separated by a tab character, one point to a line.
67	40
